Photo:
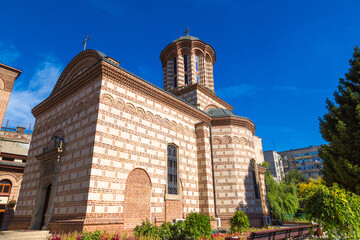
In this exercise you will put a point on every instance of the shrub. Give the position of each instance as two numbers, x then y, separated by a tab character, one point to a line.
146	229
333	208
164	231
197	225
91	236
177	230
239	222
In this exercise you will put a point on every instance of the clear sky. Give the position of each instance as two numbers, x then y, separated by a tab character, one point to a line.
277	61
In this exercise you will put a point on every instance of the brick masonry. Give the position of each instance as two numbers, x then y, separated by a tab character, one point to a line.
113	170
8	75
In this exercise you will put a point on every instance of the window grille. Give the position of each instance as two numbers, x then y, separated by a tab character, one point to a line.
172	183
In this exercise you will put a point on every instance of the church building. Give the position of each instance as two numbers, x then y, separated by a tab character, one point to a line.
110	149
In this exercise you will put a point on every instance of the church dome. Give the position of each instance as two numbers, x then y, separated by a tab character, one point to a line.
187	37
187	61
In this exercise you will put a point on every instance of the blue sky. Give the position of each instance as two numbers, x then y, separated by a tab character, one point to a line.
277	61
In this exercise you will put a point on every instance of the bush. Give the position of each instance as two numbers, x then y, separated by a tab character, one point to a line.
164	231
197	225
239	222
91	236
146	229
177	230
333	208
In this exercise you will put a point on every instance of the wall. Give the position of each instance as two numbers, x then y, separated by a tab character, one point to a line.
233	150
133	132
75	117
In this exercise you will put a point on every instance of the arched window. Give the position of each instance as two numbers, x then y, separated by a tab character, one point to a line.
185	63
172	177
197	62
197	68
175	66
255	179
175	73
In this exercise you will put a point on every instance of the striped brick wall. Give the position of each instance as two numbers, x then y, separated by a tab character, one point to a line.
233	149
76	117
133	131
206	198
116	128
202	98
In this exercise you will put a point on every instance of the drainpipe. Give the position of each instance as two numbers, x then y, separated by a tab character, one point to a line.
212	167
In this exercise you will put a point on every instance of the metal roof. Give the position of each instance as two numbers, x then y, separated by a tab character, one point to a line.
220	112
12	164
186	37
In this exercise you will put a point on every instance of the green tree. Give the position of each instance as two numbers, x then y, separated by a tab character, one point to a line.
294	177
197	226
239	222
341	128
336	210
283	198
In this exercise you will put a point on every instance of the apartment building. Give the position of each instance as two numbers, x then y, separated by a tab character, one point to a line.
305	160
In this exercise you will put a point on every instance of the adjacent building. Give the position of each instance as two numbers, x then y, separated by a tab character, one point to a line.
14	146
305	160
110	149
276	164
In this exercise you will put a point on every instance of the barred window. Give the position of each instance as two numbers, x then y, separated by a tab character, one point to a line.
172	183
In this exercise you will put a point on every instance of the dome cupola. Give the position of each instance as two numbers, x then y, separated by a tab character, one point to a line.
187	61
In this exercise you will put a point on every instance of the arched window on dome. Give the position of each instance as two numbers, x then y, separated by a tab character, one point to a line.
172	169
197	68
175	72
175	66
185	63
255	178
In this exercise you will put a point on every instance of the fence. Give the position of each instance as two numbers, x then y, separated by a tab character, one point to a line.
295	216
12	126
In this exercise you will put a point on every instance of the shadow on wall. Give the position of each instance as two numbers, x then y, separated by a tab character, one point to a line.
251	203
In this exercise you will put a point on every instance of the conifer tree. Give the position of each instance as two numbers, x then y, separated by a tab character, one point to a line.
340	127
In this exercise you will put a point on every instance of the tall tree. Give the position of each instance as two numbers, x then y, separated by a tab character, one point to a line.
340	127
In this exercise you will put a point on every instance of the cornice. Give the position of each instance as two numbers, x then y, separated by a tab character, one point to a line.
11	69
77	83
204	90
206	48
133	82
243	122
